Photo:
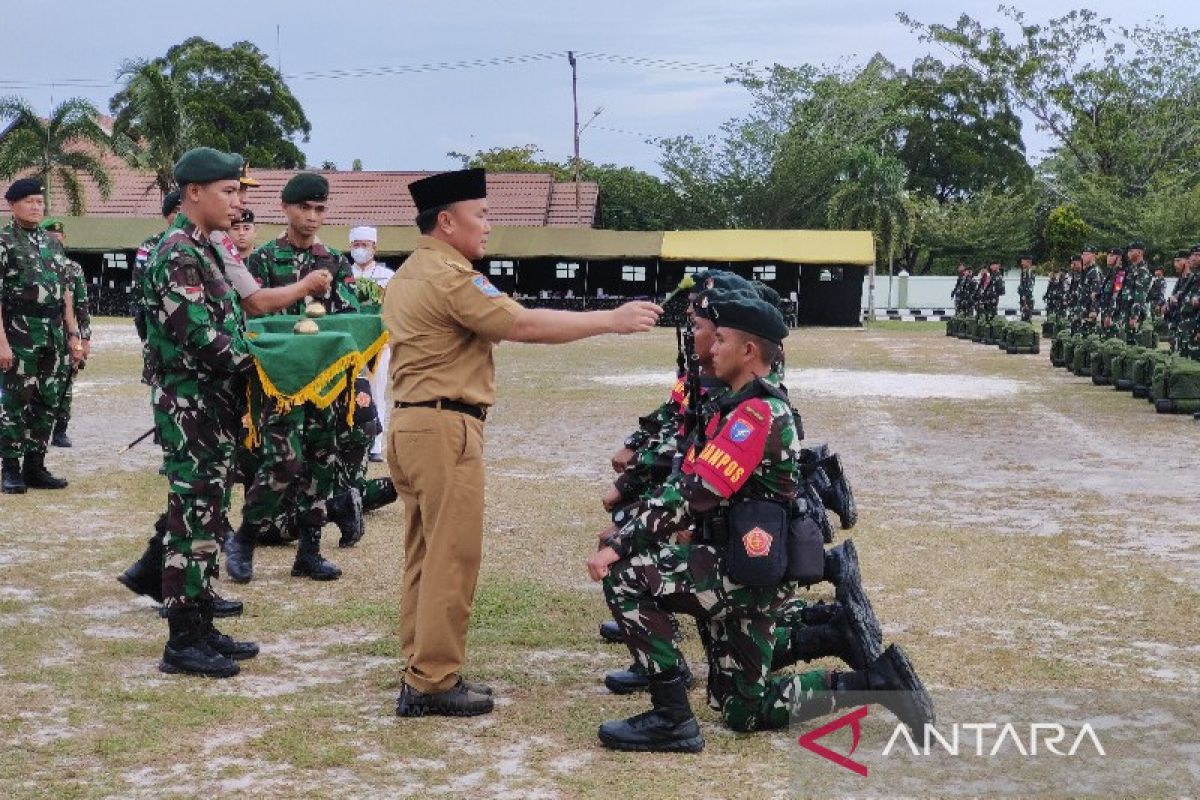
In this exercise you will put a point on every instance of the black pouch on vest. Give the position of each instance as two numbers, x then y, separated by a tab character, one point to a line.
805	550
756	555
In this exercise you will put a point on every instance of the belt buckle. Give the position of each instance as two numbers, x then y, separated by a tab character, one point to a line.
483	412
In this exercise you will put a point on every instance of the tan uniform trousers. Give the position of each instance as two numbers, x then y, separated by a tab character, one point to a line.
436	460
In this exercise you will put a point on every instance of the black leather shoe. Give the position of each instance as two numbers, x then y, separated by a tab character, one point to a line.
457	701
222	643
239	556
309	561
13	483
611	632
188	651
223	608
345	510
633	679
892	682
60	438
669	727
144	576
36	475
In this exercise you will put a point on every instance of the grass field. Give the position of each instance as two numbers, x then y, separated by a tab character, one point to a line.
1020	528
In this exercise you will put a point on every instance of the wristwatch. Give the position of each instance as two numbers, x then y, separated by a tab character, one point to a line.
636	440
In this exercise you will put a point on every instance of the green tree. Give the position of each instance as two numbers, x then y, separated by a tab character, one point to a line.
230	98
356	165
150	130
984	225
872	196
1066	232
62	149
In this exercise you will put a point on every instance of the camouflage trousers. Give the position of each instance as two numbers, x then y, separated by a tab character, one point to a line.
32	386
197	433
296	469
738	629
1026	308
66	378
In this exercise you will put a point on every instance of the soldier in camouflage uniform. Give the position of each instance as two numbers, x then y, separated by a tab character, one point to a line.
170	206
1184	308
1156	297
1025	287
78	322
1086	310
1106	294
32	339
753	454
960	294
198	361
298	465
1129	288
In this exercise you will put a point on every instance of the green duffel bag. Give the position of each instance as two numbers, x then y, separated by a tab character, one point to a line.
1081	359
952	326
1023	339
1143	371
1058	348
1102	360
1181	387
1147	336
1122	368
995	333
1069	347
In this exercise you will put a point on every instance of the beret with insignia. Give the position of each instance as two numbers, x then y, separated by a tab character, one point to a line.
306	187
748	313
22	188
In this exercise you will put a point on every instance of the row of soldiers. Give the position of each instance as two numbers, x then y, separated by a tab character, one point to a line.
198	282
719	513
45	338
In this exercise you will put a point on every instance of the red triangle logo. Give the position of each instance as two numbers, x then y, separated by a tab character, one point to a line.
854	719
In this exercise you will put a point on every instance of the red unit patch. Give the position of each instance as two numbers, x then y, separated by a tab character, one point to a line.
757	543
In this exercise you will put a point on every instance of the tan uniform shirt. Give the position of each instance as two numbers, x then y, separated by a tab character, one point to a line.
444	319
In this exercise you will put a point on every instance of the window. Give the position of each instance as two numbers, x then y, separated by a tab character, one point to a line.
765	272
831	274
115	261
565	271
633	272
692	269
500	268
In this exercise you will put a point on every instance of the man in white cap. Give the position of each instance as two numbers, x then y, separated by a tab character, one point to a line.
363	241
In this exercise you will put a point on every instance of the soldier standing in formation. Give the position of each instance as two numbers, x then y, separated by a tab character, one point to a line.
198	361
33	341
78	325
1025	287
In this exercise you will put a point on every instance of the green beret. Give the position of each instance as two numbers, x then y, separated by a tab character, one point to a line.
1116	251
1089	249
1195	249
306	187
1181	254
205	165
1137	245
720	279
702	303
171	201
766	293
749	314
52	224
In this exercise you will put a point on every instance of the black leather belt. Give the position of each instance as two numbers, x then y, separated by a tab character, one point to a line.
478	412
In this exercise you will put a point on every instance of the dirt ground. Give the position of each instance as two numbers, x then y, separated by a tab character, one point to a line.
1020	528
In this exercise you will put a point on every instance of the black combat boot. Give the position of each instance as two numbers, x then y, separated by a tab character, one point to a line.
188	651
145	575
611	632
226	608
37	476
890	681
223	644
634	679
840	497
669	727
379	492
829	629
345	510
841	569
460	700
239	556
13	483
309	561
59	437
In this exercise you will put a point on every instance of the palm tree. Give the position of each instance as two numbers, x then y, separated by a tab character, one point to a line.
150	129
46	147
872	197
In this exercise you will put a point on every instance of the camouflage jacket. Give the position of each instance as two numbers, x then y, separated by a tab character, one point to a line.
32	265
1025	287
278	263
77	286
1129	287
195	329
1088	291
1175	301
141	259
752	450
1157	295
654	458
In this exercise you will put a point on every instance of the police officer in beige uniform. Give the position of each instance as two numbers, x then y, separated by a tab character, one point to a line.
444	319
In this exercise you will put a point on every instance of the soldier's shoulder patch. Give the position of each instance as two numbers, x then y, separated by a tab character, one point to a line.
740	430
482	283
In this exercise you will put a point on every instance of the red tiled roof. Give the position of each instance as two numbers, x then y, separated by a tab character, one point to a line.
377	198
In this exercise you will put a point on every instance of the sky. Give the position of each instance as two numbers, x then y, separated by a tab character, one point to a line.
410	119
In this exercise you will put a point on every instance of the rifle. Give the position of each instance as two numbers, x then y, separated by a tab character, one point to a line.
686	283
693	424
